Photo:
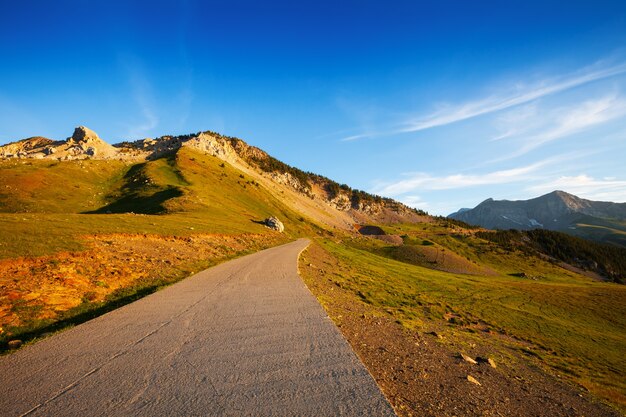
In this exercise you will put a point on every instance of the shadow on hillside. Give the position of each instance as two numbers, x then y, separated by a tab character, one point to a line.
371	231
143	204
139	195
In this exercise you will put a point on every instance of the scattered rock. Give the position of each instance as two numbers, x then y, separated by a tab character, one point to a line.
473	380
490	361
468	359
14	344
275	224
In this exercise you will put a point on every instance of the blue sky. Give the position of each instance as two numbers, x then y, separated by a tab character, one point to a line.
438	104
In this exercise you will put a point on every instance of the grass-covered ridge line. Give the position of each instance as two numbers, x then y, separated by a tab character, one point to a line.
268	163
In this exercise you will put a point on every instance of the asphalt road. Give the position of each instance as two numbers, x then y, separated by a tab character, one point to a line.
245	338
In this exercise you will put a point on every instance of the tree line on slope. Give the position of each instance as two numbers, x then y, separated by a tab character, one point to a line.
268	163
606	260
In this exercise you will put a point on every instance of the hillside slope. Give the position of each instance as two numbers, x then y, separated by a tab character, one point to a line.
319	198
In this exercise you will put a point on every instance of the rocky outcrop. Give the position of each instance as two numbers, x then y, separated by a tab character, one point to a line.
289	180
275	224
356	206
84	136
23	147
84	143
341	202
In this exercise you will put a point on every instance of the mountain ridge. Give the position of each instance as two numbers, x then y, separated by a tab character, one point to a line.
331	203
557	210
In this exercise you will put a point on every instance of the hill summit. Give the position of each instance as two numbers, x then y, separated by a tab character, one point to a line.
84	143
320	198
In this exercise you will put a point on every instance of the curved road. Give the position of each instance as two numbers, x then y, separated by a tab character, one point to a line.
245	338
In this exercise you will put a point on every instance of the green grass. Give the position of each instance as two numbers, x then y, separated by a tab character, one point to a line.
613	231
192	192
576	326
56	187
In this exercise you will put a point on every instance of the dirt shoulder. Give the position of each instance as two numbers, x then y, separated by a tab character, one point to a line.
423	374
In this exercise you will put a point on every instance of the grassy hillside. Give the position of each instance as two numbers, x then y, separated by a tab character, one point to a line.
574	325
191	193
36	186
81	237
602	230
606	260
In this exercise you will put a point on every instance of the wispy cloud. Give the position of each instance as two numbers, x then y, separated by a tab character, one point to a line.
414	201
413	183
518	121
422	181
589	113
520	95
610	189
141	93
560	123
143	118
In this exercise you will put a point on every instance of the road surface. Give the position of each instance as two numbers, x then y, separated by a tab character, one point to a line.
245	338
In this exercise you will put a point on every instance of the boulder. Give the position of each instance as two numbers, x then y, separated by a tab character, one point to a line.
83	134
14	344
275	224
489	361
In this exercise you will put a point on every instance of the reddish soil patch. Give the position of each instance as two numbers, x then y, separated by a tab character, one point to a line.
41	288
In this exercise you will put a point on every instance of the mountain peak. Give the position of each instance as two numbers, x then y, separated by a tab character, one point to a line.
561	194
83	134
557	210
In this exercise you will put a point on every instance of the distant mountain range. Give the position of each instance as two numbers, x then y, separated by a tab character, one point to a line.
558	210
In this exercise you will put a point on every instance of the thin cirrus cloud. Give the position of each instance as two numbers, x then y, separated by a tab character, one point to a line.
610	189
141	93
561	123
495	103
423	181
141	96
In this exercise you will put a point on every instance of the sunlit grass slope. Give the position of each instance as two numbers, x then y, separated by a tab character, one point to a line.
184	193
36	186
575	325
